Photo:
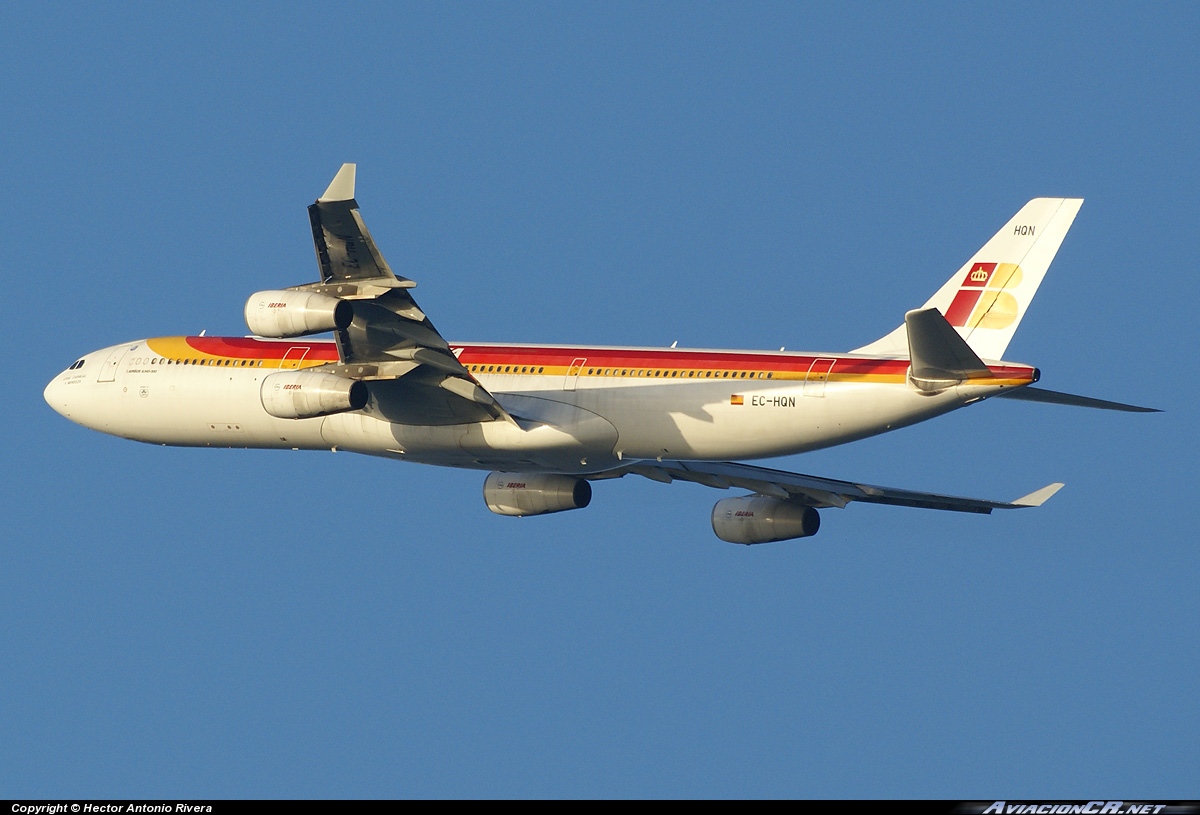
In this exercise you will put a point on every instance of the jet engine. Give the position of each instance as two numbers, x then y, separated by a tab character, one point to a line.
281	314
308	394
761	519
535	493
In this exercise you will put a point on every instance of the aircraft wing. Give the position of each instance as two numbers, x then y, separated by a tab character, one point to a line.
391	344
810	489
346	253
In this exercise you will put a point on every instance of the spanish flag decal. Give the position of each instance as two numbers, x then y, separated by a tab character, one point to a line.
737	399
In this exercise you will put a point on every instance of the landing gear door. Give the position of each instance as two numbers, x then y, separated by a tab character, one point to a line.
572	377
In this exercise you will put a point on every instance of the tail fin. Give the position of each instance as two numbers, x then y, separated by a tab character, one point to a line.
985	300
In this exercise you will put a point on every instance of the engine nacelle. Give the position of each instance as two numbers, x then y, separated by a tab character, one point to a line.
282	314
535	493
761	519
308	394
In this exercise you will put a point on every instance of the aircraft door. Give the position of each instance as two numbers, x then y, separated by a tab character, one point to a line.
108	371
292	359
572	377
818	375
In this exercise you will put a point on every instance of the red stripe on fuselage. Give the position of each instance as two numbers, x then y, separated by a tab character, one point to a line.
250	348
661	358
625	358
685	359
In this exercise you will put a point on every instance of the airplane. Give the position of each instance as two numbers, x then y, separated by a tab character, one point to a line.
549	420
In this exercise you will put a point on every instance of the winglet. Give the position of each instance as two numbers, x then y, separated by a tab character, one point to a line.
1038	497
342	186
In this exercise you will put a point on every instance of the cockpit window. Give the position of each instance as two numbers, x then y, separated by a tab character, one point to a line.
76	365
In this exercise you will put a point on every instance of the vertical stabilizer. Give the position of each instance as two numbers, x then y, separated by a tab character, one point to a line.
985	300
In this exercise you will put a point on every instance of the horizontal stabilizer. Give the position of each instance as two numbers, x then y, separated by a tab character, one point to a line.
1056	398
940	357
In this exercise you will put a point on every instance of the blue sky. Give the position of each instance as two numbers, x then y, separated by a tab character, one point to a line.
192	623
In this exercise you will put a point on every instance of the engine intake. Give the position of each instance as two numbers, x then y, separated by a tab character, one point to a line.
282	314
535	493
308	394
761	519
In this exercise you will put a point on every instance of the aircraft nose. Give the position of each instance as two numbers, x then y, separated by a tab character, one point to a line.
56	397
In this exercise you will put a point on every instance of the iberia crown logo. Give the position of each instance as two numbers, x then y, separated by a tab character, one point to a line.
982	301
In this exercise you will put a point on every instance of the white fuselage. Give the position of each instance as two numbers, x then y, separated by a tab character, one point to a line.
578	410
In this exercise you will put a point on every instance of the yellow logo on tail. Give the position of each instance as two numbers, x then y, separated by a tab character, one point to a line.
981	301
